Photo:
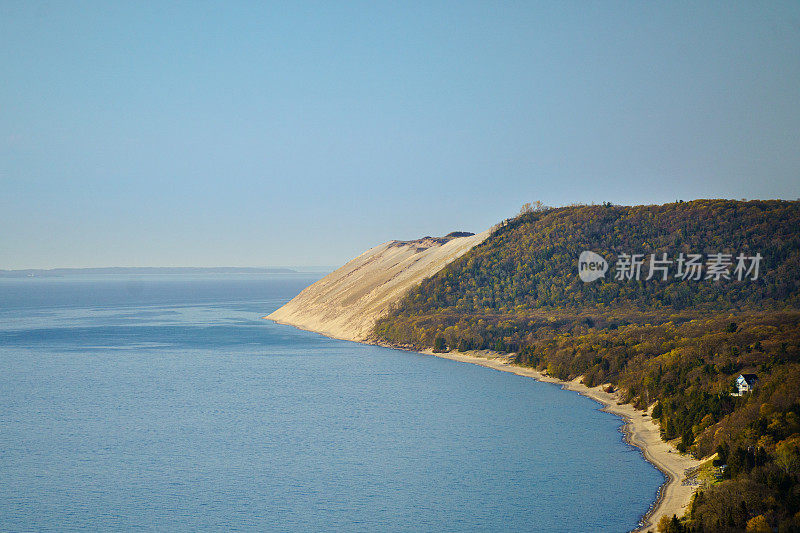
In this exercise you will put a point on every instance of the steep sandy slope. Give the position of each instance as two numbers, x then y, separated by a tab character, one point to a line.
346	303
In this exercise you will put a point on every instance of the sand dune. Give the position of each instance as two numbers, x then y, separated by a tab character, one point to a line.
346	303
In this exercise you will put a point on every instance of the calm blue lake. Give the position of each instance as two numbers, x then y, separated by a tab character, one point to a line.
166	403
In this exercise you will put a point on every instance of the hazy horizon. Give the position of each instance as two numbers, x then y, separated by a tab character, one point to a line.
298	269
309	268
257	134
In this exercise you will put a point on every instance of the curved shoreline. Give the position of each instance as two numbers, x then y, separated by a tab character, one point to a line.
646	520
639	430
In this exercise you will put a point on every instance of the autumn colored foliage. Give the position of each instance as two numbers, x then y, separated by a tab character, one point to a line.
675	344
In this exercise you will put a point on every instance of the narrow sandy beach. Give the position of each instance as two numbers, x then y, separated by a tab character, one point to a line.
640	431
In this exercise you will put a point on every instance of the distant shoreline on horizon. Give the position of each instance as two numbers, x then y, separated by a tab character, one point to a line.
144	271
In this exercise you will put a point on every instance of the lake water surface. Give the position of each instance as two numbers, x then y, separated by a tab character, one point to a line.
166	403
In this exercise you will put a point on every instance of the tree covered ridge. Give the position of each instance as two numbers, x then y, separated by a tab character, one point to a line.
531	261
678	344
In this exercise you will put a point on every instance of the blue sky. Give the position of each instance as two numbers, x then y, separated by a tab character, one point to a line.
293	133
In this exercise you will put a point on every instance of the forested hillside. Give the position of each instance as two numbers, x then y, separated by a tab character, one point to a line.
695	293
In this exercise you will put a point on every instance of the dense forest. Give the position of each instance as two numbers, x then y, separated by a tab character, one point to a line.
694	294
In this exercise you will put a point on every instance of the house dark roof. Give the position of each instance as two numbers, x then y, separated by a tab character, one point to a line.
750	378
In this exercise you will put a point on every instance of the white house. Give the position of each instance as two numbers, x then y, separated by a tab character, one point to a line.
746	383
